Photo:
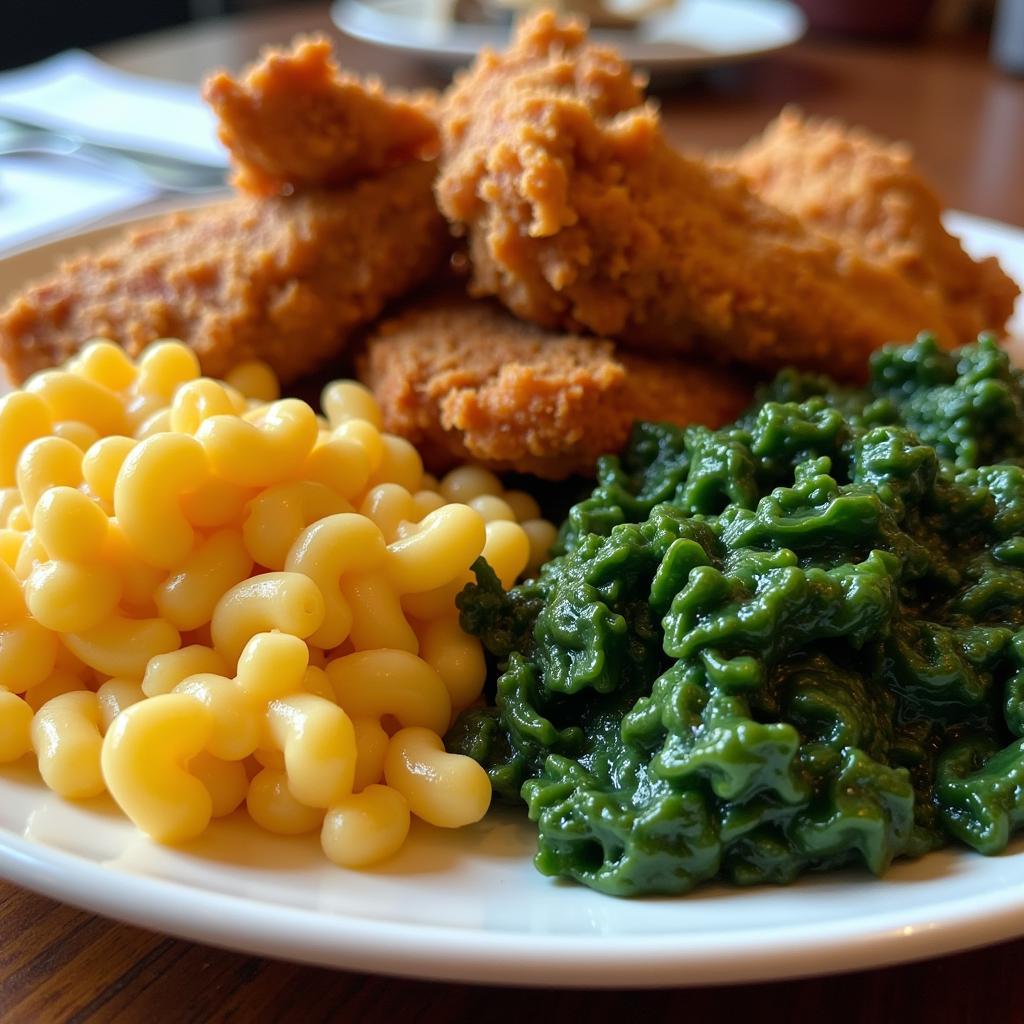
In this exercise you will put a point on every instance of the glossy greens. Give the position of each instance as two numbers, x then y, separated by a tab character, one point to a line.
784	646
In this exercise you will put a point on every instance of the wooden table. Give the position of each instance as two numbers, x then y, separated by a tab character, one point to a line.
966	122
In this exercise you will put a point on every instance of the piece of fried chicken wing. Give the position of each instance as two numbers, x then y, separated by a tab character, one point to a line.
295	120
580	215
868	195
283	280
462	379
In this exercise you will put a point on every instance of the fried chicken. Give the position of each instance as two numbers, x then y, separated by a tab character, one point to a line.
580	215
462	379
345	223
284	280
296	121
868	195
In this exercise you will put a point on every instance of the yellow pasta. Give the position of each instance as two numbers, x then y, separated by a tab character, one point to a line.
80	434
280	513
542	535
102	362
372	684
365	827
69	396
60	681
456	657
377	616
145	760
271	666
102	463
272	806
225	781
216	502
448	790
44	463
255	454
188	597
319	747
163	367
507	550
114	696
368	438
15	726
371	749
339	463
24	418
198	400
147	496
445	545
212	597
524	506
325	551
389	505
11	542
286	601
19	519
158	423
28	651
235	722
165	671
400	463
492	508
432	604
315	681
120	646
468	482
67	741
255	380
344	400
139	579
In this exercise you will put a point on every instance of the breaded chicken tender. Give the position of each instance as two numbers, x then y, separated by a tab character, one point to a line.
462	379
868	195
579	215
284	280
297	121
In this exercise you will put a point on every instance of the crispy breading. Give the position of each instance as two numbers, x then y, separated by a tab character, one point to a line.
580	215
868	195
296	120
462	379
284	280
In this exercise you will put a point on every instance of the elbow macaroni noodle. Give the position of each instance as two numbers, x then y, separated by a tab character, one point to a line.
213	597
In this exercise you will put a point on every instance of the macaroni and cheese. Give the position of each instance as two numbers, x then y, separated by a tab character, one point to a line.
211	596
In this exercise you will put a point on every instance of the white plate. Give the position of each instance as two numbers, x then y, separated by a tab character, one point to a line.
689	35
468	905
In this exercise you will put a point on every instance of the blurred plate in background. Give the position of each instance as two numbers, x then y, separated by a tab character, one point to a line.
688	35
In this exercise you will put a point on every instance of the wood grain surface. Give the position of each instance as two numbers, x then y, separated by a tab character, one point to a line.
966	122
59	964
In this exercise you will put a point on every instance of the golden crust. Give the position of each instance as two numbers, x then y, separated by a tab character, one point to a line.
580	215
296	120
283	280
462	379
867	194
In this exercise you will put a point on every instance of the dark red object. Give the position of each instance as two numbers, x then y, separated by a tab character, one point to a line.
875	19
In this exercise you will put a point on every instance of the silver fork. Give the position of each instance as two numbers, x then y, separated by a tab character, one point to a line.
166	174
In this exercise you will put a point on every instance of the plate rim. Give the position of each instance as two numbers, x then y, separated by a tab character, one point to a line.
437	953
351	17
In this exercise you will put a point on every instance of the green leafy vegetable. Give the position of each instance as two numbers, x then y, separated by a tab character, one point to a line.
784	646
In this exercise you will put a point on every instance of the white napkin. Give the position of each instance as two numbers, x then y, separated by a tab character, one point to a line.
76	93
41	196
